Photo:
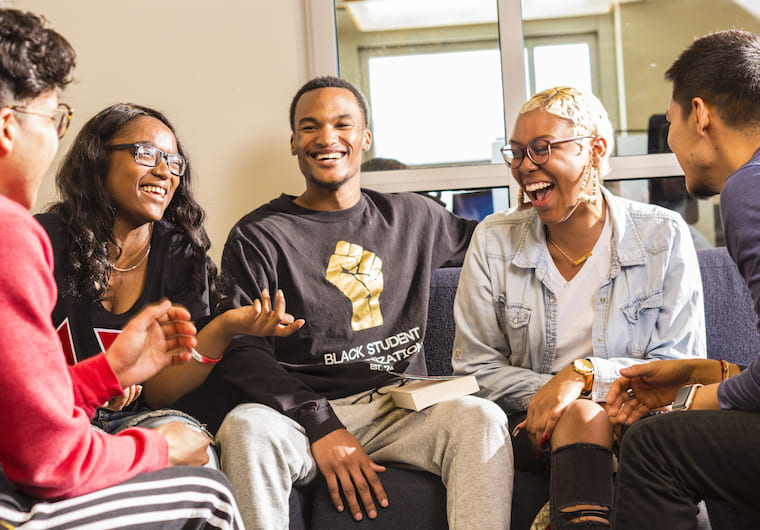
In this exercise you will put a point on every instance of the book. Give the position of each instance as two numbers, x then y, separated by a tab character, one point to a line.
420	394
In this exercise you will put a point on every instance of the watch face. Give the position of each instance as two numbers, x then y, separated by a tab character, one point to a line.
583	366
681	397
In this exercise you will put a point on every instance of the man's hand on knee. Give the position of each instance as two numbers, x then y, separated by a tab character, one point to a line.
347	468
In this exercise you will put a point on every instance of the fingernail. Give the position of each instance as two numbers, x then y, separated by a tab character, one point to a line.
372	514
358	516
384	503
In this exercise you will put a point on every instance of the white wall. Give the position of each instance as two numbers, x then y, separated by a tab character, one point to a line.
223	72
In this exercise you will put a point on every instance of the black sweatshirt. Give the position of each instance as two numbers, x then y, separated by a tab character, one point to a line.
360	278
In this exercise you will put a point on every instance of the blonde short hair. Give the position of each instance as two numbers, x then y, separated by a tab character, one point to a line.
582	109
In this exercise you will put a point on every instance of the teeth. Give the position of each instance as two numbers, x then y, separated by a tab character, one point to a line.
537	186
154	189
329	156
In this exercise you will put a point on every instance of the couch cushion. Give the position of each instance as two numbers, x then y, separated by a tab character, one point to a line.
417	501
730	319
439	335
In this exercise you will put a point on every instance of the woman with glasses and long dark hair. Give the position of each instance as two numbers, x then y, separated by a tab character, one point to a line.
128	232
559	293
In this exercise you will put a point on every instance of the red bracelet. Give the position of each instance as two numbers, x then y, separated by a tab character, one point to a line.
201	359
724	368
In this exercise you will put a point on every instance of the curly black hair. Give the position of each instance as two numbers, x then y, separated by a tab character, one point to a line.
87	211
33	58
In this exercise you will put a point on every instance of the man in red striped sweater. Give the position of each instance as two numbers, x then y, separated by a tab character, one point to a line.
48	451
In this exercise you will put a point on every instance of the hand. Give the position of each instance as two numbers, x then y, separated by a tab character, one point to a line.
187	446
653	385
547	406
261	320
130	394
346	467
158	336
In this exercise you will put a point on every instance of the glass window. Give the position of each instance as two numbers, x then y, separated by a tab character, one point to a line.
423	65
473	203
412	113
551	65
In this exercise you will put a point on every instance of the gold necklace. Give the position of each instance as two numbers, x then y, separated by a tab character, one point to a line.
575	262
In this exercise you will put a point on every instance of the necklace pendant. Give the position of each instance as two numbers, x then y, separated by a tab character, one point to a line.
582	259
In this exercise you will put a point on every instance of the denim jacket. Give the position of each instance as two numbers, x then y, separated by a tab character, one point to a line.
650	307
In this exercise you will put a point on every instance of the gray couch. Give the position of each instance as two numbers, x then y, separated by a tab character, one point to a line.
418	499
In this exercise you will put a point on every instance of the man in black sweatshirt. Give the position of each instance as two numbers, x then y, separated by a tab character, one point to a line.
356	264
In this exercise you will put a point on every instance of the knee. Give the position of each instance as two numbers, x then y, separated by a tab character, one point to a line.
474	414
253	423
583	421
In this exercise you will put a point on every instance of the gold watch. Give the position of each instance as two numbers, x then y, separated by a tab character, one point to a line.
586	369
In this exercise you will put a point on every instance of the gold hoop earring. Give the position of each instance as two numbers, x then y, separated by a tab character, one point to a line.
592	174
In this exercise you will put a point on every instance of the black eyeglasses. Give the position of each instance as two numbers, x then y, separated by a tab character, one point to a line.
538	150
60	119
151	156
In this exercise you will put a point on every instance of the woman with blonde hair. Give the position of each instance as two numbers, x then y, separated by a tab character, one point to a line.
561	292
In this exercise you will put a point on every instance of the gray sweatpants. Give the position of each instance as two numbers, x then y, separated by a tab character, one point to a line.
466	441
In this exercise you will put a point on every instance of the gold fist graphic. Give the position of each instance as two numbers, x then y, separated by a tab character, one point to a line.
358	274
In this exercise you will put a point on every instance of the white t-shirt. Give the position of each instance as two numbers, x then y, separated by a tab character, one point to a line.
575	300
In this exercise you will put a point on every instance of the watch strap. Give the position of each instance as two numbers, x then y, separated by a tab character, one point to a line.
685	404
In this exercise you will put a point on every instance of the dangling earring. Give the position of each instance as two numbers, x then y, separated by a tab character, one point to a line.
592	173
523	202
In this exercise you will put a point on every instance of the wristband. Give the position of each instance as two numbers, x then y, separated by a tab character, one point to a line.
203	360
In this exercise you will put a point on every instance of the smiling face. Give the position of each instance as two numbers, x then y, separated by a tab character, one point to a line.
141	194
329	137
554	186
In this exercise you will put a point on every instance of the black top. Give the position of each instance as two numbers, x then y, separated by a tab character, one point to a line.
359	277
85	327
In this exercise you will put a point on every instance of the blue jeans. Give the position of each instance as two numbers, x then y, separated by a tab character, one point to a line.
115	421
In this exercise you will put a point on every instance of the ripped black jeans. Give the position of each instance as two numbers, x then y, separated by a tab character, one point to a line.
581	476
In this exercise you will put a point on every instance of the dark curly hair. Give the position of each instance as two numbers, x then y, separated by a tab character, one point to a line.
328	81
33	59
87	212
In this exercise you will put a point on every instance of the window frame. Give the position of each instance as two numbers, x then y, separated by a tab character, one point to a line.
322	59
